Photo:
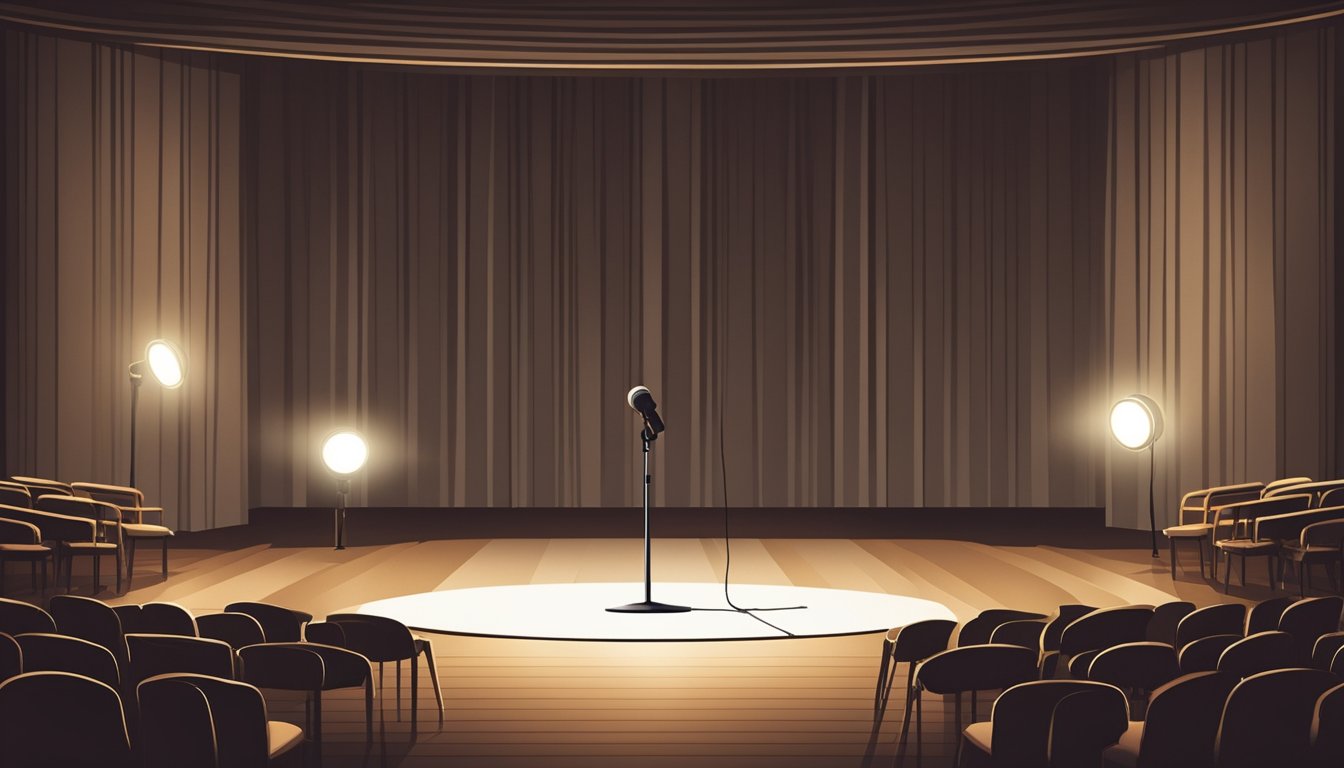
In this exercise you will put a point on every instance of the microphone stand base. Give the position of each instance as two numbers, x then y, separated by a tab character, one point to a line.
649	606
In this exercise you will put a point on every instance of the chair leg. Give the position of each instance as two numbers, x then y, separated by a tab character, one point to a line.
919	732
1171	545
956	758
1201	559
883	669
317	725
97	572
415	694
165	556
398	690
1243	569
1304	579
905	726
368	710
130	559
434	678
118	564
32	574
1227	573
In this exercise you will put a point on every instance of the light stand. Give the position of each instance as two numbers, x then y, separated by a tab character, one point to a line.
647	436
342	488
137	379
168	366
1152	516
1136	423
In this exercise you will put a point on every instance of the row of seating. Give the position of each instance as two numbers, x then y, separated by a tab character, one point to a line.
1293	521
42	520
87	648
1097	655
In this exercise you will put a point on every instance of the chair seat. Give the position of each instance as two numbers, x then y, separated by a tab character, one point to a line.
40	550
981	736
88	546
145	531
1188	531
282	737
1246	546
1125	753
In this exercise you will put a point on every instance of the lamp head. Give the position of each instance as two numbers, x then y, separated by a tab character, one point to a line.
345	452
166	363
1136	422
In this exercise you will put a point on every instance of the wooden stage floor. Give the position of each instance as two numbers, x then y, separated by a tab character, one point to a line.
777	703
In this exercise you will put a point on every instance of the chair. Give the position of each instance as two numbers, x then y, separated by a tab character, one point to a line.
206	721
1264	615
1101	629
1281	486
11	657
131	501
1202	655
236	629
1327	729
1195	518
18	617
382	639
1054	627
15	495
1084	724
1018	730
38	486
1333	497
107	526
92	620
1247	515
1318	544
173	654
910	644
166	619
1166	617
55	528
1318	490
1323	652
312	668
1259	653
281	625
61	719
45	652
1286	529
1224	619
1181	727
968	668
1025	632
1267	719
1140	668
22	541
1306	620
977	631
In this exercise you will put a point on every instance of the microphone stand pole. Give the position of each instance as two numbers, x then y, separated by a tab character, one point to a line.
647	436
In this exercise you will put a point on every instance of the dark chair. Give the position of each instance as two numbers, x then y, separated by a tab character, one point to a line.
381	639
131	616
1084	724
1054	627
1136	668
1259	653
61	719
11	657
978	631
1249	538
1025	632
21	541
1202	655
1319	544
969	668
92	620
135	528
166	619
18	617
1267	720
1327	729
1018	731
106	541
236	629
201	720
1181	726
910	644
1306	620
312	668
1326	647
1282	485
1101	629
153	655
1224	619
15	495
281	625
1166	617
1195	521
44	652
1264	615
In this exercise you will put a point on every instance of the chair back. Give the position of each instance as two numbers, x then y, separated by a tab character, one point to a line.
328	633
1267	719
378	638
1166	617
62	719
1143	666
1054	628
1105	628
236	629
1288	527
11	657
1084	723
78	506
1195	505
1259	653
53	527
176	725
1326	647
15	495
1327	533
1264	615
974	668
1020	719
1278	486
282	666
1327	729
910	643
40	485
1182	721
1024	632
1333	497
281	625
131	616
1247	513
166	619
92	620
1306	620
237	716
19	532
1202	655
120	495
43	652
153	655
18	617
1222	619
978	631
1317	489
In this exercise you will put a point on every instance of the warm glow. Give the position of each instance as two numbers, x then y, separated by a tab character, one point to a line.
166	363
1136	422
345	452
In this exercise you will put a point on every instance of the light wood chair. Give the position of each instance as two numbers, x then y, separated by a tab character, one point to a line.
22	541
1243	518
135	528
1319	544
1195	517
107	539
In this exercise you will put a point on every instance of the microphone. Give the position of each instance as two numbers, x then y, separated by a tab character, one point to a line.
641	400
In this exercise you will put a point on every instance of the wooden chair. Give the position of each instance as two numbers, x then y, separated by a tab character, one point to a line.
1195	517
46	652
1019	728
107	528
1267	719
1318	490
963	669
135	528
1244	517
910	644
55	529
38	486
1333	497
15	495
381	639
1181	726
62	719
1276	487
1318	544
200	720
22	541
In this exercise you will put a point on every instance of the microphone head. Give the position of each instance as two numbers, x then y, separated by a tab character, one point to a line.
636	392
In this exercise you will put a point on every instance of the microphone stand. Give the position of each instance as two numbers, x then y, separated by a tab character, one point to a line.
647	436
